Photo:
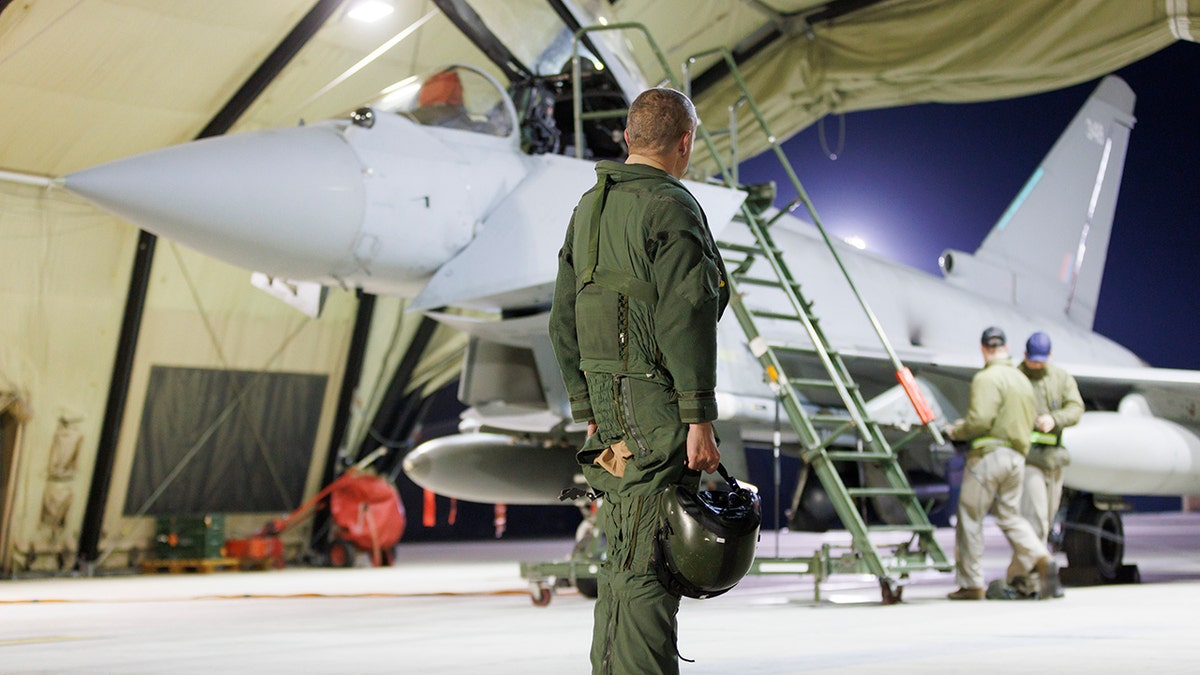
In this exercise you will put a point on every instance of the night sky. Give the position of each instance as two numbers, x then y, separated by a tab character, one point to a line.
917	180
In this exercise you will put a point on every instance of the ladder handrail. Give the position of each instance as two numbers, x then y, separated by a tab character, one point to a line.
802	195
903	375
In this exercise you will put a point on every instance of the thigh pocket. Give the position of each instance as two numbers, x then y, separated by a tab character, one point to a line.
651	418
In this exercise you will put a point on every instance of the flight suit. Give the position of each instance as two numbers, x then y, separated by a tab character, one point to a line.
998	423
640	288
1055	393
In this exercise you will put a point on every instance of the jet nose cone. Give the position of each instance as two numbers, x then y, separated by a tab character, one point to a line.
280	201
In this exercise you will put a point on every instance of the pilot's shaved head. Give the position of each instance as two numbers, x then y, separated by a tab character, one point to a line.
657	120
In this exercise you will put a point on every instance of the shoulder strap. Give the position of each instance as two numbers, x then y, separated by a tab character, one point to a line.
621	282
588	274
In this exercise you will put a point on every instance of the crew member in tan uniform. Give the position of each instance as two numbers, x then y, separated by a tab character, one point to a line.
997	426
1058	404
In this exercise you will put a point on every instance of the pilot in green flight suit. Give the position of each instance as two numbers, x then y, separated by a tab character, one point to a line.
634	326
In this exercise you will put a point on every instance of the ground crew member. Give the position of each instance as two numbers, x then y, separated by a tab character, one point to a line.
634	327
997	425
1058	404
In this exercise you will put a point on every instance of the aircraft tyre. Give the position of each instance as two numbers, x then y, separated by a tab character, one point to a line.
589	587
1094	538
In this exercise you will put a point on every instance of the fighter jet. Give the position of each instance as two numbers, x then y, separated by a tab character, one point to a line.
448	193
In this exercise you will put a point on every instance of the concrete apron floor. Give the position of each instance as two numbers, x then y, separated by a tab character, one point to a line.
463	608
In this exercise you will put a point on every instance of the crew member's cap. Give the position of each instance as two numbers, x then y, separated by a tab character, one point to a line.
1037	348
992	337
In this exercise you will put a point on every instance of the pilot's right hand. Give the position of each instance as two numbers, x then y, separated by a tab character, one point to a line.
702	452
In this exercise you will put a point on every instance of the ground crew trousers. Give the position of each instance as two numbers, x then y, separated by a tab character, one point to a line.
1041	495
993	481
1040	498
635	628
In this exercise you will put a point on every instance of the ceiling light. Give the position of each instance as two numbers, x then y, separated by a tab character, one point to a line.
368	11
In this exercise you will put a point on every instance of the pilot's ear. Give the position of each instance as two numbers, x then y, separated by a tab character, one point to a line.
685	142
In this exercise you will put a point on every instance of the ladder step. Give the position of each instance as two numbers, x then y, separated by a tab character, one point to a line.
830	419
835	433
817	384
796	349
745	248
854	456
880	492
762	313
762	281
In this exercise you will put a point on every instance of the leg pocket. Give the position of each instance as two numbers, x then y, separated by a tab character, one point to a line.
646	407
653	426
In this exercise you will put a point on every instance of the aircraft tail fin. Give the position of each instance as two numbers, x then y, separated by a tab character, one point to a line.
1046	254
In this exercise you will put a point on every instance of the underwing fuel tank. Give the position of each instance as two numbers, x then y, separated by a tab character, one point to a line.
494	469
1128	454
376	201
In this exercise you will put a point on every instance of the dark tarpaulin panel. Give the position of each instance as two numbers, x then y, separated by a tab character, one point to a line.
224	441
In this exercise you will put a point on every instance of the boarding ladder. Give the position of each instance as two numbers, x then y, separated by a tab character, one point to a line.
761	264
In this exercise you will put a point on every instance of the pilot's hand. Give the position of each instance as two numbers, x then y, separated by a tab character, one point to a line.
592	428
702	452
1044	423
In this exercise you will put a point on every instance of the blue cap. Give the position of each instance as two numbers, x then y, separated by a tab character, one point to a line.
1037	347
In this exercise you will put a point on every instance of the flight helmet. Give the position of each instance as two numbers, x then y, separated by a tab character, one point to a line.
706	540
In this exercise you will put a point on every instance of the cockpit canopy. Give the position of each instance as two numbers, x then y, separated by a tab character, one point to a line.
457	97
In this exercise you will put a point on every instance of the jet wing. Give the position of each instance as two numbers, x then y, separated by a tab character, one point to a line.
1163	392
513	261
1168	393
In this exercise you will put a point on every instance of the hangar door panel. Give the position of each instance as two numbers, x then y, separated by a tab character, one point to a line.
224	441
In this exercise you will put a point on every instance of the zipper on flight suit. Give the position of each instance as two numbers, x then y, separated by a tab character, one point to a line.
630	422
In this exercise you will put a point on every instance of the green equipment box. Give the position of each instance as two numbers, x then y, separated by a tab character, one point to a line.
189	537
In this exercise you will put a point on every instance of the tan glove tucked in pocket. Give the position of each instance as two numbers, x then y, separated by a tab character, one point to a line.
614	458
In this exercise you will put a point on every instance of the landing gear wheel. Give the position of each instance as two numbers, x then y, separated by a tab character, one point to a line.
1095	539
540	596
891	591
589	587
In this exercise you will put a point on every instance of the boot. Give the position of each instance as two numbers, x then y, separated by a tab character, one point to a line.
967	594
1048	584
1000	590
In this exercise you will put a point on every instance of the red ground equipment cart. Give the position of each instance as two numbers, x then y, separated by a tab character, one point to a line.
367	516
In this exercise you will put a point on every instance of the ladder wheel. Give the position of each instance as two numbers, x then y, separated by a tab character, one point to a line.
890	591
540	596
